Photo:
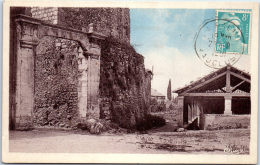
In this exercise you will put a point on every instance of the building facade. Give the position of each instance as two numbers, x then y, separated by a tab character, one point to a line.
219	99
62	70
157	96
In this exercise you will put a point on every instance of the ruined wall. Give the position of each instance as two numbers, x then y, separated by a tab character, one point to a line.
124	87
108	21
67	83
56	82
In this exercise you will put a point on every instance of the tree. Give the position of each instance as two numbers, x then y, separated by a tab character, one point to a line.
169	91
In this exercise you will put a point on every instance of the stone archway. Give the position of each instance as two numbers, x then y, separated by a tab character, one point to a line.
28	34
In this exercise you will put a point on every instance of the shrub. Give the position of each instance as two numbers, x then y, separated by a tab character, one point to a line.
171	107
158	107
150	121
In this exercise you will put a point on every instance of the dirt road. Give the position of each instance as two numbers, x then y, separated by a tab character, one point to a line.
230	141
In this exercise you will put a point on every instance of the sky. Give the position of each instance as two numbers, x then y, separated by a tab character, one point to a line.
165	37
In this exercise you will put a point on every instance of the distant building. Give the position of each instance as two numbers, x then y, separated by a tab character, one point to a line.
157	96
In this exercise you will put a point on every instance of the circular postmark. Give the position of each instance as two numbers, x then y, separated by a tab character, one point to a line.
219	42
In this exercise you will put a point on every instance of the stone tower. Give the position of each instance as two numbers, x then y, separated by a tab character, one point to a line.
113	22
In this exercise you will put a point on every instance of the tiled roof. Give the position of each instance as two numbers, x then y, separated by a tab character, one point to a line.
156	93
209	76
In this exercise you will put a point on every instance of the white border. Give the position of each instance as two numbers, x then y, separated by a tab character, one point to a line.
130	158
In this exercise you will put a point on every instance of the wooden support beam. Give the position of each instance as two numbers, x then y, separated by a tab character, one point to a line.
236	86
218	94
228	87
223	90
241	77
205	82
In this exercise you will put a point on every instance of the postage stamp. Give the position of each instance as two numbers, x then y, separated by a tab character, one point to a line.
129	82
233	32
228	37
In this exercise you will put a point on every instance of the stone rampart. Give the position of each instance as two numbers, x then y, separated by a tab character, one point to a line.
124	84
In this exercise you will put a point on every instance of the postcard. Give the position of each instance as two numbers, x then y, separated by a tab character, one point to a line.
130	82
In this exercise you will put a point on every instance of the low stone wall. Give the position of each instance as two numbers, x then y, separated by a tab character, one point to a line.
221	121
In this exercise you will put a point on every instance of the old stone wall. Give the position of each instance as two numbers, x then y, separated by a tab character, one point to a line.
64	75
48	14
108	21
113	22
124	85
56	82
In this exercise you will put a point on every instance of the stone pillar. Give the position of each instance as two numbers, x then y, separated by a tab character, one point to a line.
93	53
228	104
93	85
82	83
26	40
181	109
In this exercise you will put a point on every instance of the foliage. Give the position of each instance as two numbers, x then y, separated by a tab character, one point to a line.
150	121
157	107
123	82
171	107
169	91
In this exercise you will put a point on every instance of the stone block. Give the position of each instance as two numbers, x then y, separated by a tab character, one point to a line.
58	44
91	125
224	121
55	22
24	123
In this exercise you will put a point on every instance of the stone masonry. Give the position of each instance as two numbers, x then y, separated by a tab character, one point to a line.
108	21
49	14
56	81
69	64
125	86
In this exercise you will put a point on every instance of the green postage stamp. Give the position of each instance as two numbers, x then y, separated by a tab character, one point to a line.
233	31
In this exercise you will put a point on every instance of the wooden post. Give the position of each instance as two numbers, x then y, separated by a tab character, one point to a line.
228	87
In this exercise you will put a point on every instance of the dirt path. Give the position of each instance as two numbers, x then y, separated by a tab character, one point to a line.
154	142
